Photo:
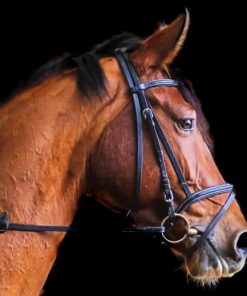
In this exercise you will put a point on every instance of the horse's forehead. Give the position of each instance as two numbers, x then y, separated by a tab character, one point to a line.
171	101
168	97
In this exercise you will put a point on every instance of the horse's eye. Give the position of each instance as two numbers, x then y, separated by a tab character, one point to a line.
186	124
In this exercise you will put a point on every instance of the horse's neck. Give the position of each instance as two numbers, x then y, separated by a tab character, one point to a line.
46	135
39	130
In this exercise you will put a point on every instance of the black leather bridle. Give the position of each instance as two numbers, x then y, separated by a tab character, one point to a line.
143	108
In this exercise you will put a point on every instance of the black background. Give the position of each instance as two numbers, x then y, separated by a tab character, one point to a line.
96	259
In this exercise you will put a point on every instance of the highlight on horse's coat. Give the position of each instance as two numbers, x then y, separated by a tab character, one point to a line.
88	124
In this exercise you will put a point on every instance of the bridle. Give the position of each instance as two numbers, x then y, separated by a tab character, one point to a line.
143	108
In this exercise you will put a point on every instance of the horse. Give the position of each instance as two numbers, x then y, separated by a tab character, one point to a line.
119	124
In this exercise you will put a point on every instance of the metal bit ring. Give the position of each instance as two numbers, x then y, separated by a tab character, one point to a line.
187	227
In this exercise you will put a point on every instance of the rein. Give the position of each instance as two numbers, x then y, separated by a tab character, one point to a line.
6	226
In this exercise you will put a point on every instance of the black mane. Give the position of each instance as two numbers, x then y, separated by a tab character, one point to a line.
91	79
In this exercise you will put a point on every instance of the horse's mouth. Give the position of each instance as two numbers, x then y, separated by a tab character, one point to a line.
210	274
206	266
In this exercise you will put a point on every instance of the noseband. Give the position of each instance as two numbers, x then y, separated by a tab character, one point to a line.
144	109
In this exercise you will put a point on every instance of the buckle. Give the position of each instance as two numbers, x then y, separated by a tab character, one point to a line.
147	111
4	222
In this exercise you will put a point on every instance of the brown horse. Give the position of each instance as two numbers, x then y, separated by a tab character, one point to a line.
73	132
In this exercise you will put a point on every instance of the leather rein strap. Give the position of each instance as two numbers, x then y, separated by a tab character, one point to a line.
143	108
5	225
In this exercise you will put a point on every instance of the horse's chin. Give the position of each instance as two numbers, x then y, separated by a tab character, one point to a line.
208	271
206	267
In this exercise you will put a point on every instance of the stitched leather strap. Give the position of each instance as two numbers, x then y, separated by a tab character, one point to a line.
6	226
139	134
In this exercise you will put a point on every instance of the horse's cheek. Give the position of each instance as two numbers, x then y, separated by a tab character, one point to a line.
112	165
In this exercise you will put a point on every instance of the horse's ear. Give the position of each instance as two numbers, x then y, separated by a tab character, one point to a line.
163	46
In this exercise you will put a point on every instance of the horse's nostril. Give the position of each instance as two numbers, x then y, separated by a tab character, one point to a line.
242	242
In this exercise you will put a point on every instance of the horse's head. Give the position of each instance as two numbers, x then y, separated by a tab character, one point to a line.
215	239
